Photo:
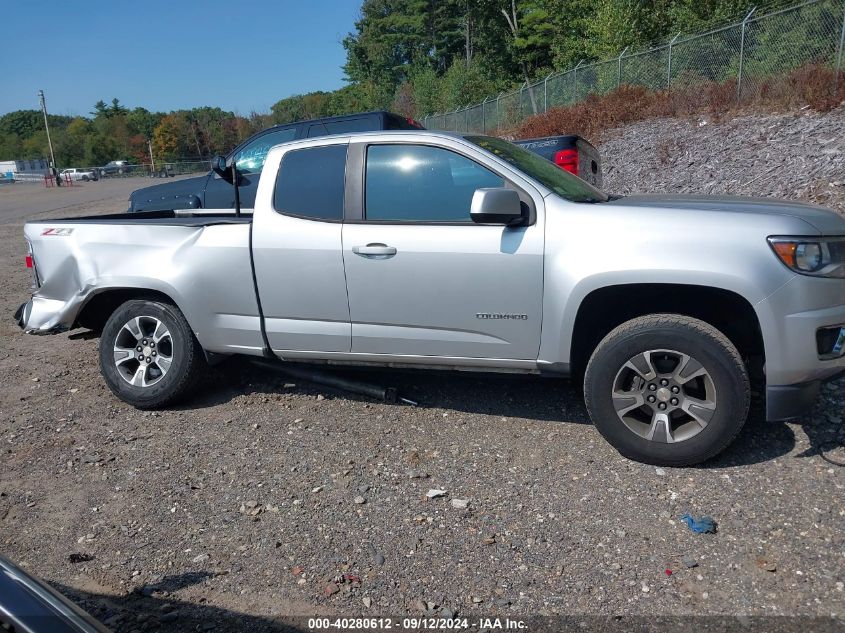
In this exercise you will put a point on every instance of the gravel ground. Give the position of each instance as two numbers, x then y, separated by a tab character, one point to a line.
264	497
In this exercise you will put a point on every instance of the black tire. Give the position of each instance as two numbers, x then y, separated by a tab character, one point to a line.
697	339
187	364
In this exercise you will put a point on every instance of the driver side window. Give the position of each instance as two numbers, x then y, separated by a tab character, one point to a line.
250	159
418	183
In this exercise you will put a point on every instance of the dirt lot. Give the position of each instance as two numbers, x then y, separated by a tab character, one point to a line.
263	497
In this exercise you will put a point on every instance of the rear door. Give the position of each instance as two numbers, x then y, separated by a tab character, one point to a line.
219	194
296	243
423	279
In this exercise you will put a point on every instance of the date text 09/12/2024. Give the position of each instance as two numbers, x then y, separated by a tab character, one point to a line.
416	624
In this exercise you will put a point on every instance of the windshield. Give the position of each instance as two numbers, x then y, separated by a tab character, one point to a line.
561	182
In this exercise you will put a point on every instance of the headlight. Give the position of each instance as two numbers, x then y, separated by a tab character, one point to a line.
823	257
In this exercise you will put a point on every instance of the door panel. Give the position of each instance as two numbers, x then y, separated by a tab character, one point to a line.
422	278
299	270
459	290
298	255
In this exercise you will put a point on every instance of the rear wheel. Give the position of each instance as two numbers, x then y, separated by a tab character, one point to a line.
149	356
667	389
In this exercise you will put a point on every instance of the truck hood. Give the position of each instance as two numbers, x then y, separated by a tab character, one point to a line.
827	222
171	194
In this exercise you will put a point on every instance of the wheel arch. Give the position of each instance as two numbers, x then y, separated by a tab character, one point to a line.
603	309
99	306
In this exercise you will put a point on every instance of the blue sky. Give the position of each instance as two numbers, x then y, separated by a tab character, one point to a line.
241	55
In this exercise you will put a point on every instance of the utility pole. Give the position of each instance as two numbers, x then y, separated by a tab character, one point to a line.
47	127
152	161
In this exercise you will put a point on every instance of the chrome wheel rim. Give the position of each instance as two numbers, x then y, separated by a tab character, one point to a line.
143	351
664	396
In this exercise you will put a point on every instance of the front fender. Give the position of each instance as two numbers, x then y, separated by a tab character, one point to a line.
557	342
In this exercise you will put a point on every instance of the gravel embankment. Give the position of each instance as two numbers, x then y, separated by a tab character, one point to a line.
265	496
796	156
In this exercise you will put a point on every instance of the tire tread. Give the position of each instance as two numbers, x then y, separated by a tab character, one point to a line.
644	324
194	359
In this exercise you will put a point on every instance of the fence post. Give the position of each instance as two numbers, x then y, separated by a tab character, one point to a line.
742	54
546	92
669	65
498	116
455	116
466	120
521	88
575	82
619	67
839	54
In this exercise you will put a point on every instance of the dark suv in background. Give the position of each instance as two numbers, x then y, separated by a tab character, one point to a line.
212	192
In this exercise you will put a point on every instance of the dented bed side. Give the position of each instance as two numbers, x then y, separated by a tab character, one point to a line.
202	266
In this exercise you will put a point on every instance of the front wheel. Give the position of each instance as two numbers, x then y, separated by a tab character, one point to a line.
149	356
667	389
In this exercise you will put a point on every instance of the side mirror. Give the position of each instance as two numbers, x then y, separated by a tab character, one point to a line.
497	205
218	166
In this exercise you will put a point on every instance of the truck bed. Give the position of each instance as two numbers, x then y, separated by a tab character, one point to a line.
190	217
201	261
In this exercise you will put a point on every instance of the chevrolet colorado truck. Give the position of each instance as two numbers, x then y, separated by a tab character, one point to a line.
441	251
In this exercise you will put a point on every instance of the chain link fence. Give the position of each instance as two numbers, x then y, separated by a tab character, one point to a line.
127	170
759	48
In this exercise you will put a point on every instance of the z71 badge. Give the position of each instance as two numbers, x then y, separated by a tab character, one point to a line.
57	232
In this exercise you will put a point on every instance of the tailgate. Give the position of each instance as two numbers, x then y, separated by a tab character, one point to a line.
589	163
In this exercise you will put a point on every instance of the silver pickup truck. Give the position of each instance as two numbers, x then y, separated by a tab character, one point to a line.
440	251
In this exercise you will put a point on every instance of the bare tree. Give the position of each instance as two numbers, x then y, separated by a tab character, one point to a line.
513	25
468	33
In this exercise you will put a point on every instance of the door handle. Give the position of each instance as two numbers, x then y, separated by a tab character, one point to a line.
375	250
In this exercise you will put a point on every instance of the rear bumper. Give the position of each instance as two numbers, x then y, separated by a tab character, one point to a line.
19	315
40	316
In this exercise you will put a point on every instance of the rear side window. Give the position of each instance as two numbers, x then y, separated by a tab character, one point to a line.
310	183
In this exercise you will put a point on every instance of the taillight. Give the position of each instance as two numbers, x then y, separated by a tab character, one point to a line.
414	123
567	159
30	263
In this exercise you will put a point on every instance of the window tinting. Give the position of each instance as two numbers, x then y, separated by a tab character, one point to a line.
363	124
251	158
416	183
310	182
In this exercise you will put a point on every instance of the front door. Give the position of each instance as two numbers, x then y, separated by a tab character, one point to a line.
422	278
